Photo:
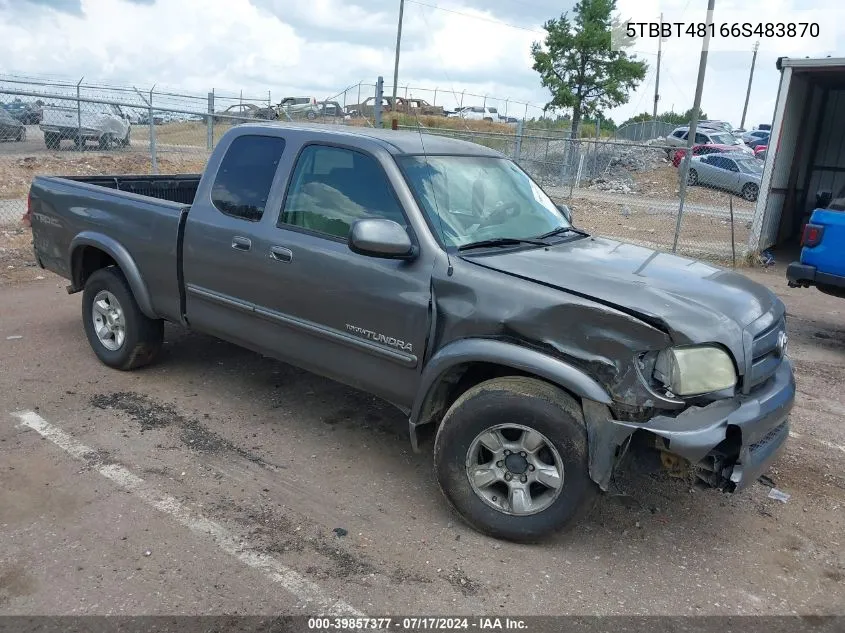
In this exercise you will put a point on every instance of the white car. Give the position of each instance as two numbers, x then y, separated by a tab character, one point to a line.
477	113
704	136
107	124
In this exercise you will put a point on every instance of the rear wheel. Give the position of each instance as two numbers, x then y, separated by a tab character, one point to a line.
311	115
79	143
511	457
750	191
124	142
119	333
105	141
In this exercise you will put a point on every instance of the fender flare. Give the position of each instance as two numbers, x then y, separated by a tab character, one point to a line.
497	352
124	260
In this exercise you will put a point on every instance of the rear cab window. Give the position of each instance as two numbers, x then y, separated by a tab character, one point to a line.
242	183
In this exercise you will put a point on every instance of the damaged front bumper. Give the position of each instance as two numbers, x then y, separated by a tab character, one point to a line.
735	440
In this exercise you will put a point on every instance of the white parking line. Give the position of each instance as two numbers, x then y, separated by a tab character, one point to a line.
274	570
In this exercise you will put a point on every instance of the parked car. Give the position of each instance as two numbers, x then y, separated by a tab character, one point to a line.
760	151
26	113
703	136
298	107
367	107
734	172
417	107
477	113
243	112
331	109
700	150
10	128
104	123
760	140
764	126
822	260
755	135
541	355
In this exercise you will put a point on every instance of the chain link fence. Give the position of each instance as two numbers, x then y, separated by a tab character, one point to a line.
625	187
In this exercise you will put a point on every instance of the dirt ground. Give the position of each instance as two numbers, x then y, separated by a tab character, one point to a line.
220	481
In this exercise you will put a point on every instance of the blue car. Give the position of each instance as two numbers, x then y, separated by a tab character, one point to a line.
822	262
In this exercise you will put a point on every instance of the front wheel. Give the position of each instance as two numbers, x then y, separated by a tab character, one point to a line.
750	191
52	140
311	115
511	457
119	333
692	177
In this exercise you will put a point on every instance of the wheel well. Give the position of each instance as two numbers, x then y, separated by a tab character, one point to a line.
462	377
86	261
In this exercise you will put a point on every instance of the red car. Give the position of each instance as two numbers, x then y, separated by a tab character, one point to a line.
759	151
700	150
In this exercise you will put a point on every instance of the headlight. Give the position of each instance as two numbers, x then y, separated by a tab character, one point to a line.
689	371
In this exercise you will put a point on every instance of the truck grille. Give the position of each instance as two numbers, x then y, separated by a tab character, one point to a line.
763	357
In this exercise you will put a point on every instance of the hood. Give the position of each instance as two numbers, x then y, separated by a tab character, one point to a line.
693	301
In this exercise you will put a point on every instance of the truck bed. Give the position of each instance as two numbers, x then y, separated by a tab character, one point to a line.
139	214
179	188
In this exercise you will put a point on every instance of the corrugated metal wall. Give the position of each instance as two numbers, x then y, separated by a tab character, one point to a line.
827	168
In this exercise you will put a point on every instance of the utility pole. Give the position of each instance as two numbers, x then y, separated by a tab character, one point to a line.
750	78
398	45
657	76
693	124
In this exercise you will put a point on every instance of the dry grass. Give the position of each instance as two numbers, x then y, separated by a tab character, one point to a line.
662	184
190	133
16	174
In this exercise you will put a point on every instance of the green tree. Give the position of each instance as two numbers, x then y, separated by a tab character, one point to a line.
578	66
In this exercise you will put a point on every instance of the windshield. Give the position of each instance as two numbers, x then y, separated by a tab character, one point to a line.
754	166
472	198
725	139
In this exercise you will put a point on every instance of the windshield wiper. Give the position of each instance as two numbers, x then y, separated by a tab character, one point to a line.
501	241
561	230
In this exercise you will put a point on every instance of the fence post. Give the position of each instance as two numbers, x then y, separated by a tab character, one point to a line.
518	146
359	96
80	142
210	122
153	154
435	96
525	116
377	105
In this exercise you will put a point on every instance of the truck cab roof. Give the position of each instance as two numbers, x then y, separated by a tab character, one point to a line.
396	142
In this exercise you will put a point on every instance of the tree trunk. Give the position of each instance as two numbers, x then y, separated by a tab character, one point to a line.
576	120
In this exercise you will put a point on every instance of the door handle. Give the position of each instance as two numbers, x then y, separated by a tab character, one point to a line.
241	243
281	254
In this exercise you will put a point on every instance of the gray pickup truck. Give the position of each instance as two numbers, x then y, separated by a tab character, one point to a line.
435	274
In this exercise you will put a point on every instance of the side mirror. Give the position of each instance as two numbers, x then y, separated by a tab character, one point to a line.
566	211
381	238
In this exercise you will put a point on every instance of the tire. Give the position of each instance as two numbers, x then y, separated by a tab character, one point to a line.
533	405
79	143
311	115
692	177
105	142
52	140
124	142
142	336
487	118
750	191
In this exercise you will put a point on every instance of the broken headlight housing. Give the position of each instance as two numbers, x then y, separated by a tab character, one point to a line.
695	370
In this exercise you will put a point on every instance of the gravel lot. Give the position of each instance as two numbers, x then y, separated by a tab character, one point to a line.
219	481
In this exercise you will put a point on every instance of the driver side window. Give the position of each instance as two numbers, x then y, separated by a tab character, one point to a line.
332	187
